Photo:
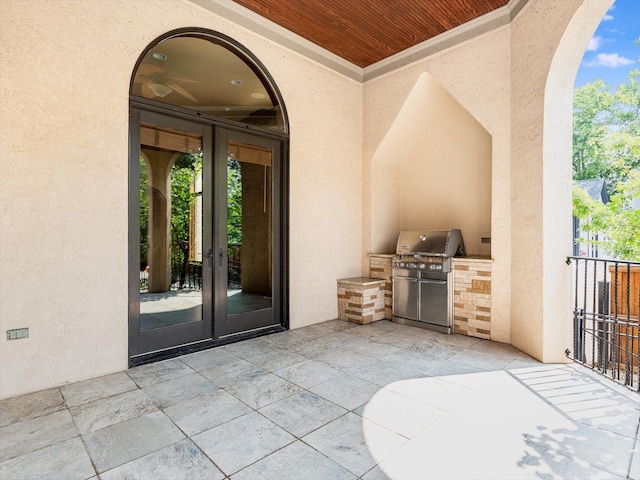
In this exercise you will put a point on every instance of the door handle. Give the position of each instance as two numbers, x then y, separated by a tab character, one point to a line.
220	256
210	258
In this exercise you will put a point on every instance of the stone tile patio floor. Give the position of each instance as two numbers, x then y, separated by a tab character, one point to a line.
330	401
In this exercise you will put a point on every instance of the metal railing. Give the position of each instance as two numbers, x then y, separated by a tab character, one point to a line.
191	277
605	317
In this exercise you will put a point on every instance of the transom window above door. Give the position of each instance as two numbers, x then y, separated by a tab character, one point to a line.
207	75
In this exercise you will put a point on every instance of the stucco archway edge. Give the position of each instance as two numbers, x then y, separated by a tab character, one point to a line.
542	99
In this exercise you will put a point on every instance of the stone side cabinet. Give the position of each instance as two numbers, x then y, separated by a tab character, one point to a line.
361	299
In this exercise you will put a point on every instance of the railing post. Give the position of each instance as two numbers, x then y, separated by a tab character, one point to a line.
578	335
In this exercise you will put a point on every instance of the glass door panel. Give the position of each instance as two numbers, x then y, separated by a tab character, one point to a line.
205	232
174	307
247	231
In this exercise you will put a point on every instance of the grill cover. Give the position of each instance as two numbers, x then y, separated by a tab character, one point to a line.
444	243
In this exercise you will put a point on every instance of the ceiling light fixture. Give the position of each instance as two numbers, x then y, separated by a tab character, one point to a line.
258	95
236	82
160	90
159	56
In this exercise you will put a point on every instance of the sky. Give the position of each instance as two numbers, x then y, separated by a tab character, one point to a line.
611	54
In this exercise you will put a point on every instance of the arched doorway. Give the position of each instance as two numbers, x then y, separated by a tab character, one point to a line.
207	197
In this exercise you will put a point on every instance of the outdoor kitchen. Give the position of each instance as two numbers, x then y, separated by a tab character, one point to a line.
431	189
428	282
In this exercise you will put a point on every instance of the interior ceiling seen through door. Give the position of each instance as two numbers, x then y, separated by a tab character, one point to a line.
195	72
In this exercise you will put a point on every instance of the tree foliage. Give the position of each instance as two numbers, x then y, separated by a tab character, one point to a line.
144	214
591	116
606	131
606	144
619	223
183	174
234	202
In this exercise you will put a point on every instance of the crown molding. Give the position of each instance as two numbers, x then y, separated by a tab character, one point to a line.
478	26
268	29
252	21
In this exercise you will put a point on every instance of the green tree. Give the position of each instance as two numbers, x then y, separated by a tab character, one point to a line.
606	131
606	144
144	214
591	117
234	201
617	220
183	174
622	144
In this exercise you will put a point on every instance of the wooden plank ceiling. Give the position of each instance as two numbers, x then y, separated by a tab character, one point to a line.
367	31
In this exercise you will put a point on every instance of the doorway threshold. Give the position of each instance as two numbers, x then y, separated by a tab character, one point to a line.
181	350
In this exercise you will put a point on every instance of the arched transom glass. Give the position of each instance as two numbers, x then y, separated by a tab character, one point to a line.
207	75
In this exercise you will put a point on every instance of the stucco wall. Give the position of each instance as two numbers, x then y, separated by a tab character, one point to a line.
64	87
517	82
548	40
474	74
440	158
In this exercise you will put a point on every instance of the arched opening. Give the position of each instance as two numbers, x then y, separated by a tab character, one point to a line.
605	284
557	179
208	197
209	74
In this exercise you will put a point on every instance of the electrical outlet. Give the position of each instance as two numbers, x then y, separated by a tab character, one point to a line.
17	333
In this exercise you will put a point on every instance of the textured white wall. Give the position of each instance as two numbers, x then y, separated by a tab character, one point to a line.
474	74
441	162
64	87
547	43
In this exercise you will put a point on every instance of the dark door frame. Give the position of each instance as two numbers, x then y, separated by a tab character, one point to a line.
280	136
144	110
166	337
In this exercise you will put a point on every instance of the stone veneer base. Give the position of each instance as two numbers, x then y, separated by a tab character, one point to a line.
380	267
472	292
361	300
472	297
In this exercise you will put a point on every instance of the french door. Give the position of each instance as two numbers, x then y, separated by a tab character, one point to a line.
248	210
205	233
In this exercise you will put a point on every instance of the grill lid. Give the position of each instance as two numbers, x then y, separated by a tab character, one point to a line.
445	243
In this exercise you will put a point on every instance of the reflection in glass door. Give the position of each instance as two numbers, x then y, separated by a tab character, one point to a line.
249	226
173	279
171	247
248	232
206	235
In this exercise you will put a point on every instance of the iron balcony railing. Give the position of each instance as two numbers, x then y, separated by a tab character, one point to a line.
605	317
190	277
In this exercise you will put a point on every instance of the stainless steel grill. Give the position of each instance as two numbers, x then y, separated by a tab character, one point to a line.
423	278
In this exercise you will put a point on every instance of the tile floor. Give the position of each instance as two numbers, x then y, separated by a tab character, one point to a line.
330	401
